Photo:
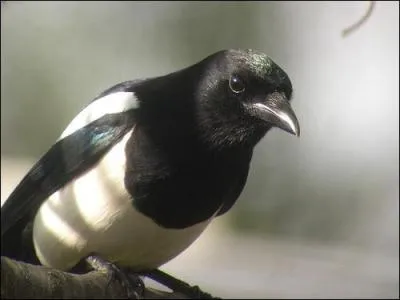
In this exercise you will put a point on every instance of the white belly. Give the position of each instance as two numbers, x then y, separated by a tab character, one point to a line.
95	214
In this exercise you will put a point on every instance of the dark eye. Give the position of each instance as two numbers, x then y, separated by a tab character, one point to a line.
236	84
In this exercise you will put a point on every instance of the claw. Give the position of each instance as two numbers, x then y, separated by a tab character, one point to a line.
132	283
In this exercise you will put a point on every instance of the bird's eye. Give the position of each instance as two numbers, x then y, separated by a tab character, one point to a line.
236	84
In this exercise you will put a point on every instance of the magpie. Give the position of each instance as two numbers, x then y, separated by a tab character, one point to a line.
143	169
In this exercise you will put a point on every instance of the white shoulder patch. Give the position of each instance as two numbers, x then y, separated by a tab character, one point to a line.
109	104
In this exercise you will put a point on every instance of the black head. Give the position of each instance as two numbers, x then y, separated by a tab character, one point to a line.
240	96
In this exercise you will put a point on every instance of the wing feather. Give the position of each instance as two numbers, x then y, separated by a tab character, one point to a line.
65	160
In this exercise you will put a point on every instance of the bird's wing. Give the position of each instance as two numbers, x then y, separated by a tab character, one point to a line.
87	138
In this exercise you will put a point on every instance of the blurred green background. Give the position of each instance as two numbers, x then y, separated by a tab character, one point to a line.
319	216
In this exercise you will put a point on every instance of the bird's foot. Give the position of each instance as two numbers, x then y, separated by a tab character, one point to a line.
132	283
193	292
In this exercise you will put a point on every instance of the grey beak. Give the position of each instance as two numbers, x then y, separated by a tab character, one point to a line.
277	111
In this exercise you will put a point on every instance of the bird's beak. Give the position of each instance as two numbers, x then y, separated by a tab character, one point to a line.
277	111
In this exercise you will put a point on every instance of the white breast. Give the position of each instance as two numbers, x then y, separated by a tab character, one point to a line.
95	214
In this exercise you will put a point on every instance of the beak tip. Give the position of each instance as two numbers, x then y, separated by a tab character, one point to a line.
297	132
294	131
294	127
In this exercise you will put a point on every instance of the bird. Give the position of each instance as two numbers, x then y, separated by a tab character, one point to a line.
143	169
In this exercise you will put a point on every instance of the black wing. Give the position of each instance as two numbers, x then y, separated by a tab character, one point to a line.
66	160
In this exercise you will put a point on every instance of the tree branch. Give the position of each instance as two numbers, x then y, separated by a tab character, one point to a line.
361	21
21	280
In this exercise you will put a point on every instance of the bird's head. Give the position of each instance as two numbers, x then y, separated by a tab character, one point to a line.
241	95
